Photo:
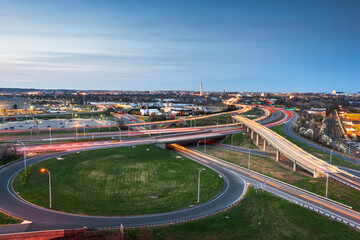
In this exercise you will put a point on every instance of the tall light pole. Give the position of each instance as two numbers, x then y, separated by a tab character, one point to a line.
327	183
249	161
232	141
217	126
76	131
84	127
198	200
50	139
205	145
48	172
331	154
24	154
119	133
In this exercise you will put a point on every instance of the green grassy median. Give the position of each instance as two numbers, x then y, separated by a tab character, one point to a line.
261	215
119	181
241	140
6	219
337	191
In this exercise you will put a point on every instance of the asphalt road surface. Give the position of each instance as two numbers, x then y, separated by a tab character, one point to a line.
44	219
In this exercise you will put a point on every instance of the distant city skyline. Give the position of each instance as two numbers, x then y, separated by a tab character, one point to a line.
259	46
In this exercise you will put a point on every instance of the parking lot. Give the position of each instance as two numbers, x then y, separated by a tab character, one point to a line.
54	123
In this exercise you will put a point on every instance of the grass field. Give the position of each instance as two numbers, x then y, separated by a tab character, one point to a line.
260	215
337	191
241	140
6	219
222	119
257	112
318	153
119	181
69	115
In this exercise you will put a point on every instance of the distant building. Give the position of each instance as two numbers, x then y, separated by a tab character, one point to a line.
149	112
321	111
201	89
9	103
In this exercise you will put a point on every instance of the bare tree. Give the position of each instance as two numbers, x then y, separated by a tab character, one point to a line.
7	152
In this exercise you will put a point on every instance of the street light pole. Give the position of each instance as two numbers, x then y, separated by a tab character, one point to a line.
198	200
249	161
327	184
119	133
331	154
76	131
48	172
24	154
232	141
50	139
205	145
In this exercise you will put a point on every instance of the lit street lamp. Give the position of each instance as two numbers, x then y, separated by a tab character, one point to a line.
199	185
24	154
48	172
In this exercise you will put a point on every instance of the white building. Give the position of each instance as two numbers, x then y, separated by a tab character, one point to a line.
149	112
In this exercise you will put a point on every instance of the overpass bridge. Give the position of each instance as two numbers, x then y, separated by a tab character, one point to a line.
298	156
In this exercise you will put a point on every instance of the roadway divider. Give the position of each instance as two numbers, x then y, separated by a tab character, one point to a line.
247	171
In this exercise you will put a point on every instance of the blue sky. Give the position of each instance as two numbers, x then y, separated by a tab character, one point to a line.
270	46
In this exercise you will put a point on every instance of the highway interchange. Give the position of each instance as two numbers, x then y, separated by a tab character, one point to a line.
236	178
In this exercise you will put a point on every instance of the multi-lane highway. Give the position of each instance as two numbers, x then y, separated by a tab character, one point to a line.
243	108
299	196
44	219
300	157
235	177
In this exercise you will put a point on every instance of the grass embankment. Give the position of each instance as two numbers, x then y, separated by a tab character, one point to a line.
222	119
69	115
318	153
241	140
337	191
80	131
253	113
260	215
6	219
119	181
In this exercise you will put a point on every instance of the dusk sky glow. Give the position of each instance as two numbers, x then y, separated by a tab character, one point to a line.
270	46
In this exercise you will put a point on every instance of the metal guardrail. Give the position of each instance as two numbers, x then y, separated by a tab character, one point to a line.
276	180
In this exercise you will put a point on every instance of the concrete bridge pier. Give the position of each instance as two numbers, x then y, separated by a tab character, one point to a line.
294	166
315	174
247	130
252	134
257	139
277	155
264	145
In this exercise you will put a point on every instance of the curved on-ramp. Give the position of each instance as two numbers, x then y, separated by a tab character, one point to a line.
45	219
